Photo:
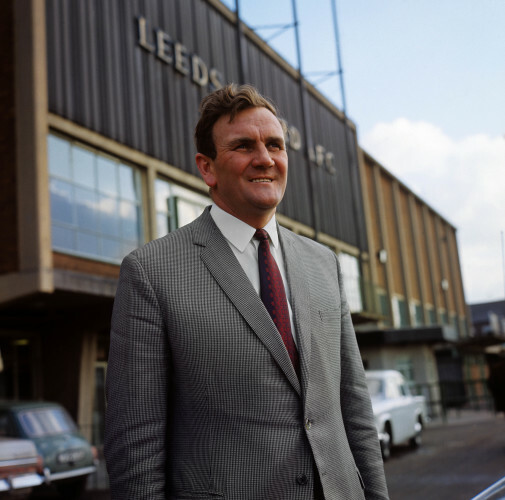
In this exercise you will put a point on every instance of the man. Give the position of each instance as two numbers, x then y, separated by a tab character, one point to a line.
212	394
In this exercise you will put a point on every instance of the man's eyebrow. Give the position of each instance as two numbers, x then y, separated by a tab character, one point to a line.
240	140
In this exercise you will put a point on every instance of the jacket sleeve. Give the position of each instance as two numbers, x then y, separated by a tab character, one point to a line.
357	408
136	390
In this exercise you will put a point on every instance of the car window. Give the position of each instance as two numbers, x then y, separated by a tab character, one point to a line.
5	427
375	387
45	422
392	390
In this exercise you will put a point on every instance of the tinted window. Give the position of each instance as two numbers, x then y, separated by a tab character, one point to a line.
45	422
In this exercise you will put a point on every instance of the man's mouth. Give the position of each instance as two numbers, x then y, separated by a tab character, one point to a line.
261	180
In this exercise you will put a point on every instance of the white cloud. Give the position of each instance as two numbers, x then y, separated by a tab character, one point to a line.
463	180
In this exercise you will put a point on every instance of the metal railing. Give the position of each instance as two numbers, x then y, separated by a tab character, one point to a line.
462	395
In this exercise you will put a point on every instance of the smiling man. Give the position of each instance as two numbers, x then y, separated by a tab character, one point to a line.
234	371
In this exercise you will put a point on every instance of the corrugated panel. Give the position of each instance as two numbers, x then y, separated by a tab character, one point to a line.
100	77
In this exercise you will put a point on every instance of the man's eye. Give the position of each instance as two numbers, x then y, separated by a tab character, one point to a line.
241	147
274	146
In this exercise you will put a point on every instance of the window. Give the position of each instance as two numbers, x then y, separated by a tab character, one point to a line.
176	206
416	310
431	315
95	202
352	281
405	366
45	422
400	312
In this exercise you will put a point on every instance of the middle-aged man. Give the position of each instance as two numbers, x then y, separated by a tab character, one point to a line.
234	371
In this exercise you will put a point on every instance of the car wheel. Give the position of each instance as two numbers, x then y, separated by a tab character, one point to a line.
417	440
386	442
71	490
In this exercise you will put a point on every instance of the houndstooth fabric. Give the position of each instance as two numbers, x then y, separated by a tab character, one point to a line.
203	400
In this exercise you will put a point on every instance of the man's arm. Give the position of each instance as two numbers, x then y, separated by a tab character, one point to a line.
357	409
136	389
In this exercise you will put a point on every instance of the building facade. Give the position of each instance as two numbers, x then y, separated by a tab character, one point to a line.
99	100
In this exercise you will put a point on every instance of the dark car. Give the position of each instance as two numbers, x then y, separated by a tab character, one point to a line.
68	458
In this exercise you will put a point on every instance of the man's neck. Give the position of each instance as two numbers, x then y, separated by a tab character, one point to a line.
257	221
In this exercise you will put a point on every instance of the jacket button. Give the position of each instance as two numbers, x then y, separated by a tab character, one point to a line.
308	423
302	479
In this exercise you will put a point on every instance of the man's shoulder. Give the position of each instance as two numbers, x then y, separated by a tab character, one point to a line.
177	242
305	244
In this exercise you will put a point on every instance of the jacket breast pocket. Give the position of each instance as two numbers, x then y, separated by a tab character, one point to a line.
326	334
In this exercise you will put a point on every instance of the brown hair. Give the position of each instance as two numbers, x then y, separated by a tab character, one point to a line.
228	100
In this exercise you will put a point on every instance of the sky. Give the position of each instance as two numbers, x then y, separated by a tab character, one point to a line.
424	82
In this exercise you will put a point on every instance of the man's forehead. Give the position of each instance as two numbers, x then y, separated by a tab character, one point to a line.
250	120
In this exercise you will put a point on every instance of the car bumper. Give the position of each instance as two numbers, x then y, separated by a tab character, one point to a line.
21	482
59	476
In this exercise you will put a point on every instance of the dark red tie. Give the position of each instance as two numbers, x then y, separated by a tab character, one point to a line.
273	295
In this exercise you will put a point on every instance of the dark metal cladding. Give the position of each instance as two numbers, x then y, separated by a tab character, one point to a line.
136	70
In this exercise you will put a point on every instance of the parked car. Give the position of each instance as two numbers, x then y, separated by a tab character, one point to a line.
399	416
68	458
20	467
495	492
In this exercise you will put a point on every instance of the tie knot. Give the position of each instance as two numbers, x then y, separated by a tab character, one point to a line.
261	235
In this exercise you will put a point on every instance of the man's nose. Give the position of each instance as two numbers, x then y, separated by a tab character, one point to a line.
262	157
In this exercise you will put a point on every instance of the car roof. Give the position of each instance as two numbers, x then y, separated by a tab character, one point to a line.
26	405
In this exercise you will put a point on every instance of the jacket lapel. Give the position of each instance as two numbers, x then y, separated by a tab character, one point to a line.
222	264
300	299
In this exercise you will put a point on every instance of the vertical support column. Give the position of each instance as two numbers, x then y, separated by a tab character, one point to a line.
431	263
443	274
381	209
150	214
416	231
34	217
87	384
400	231
371	275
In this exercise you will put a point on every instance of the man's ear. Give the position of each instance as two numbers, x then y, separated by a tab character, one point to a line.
205	165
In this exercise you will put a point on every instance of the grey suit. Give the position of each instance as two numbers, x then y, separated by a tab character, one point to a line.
203	401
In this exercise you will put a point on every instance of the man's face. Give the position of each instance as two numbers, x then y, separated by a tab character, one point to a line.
249	174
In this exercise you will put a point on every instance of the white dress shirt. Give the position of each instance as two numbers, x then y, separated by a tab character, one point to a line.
240	237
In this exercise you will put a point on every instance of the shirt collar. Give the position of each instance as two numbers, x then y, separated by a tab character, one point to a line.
237	232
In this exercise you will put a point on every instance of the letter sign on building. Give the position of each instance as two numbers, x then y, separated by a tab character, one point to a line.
177	55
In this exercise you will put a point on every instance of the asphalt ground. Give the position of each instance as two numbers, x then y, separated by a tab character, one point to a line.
459	458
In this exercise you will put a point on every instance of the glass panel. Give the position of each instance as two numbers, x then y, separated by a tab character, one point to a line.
112	249
187	212
162	194
129	220
86	209
45	422
110	221
61	201
63	238
97	210
161	225
350	271
432	316
84	167
59	157
87	243
127	183
107	176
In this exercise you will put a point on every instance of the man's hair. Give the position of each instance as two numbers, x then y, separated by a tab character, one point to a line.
228	100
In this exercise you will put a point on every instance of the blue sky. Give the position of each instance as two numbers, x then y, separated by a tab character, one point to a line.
425	85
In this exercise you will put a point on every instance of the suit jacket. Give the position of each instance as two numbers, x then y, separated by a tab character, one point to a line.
203	401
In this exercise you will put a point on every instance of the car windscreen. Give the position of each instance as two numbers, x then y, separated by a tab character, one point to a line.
375	387
45	422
